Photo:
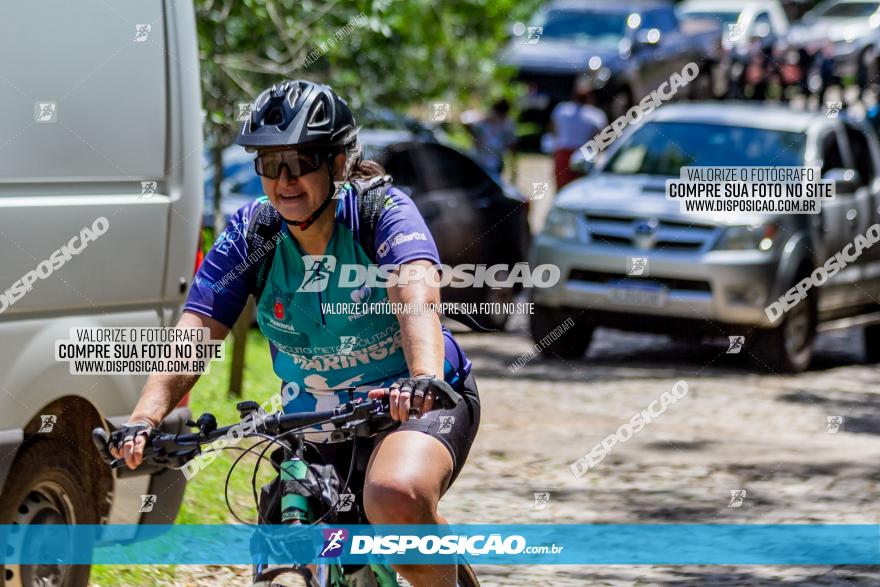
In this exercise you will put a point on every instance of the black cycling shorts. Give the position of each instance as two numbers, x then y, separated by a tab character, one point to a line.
455	428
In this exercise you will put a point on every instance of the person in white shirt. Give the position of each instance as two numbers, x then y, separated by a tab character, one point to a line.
572	124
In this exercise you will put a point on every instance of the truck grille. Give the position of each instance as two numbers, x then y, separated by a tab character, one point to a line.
603	277
645	233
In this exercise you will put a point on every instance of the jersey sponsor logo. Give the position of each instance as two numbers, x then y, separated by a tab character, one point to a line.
399	239
355	356
279	309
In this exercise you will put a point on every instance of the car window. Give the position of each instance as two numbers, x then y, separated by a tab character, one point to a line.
582	27
662	148
861	154
431	167
832	158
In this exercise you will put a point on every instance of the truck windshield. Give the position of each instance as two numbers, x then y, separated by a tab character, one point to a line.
583	27
663	148
722	17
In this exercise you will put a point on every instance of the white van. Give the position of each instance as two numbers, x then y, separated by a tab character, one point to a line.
100	205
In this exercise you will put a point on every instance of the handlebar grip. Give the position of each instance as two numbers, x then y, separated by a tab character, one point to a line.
101	439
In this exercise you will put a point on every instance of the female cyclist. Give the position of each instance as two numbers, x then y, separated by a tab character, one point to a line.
305	139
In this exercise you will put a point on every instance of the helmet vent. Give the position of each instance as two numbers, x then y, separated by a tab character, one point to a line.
275	116
319	115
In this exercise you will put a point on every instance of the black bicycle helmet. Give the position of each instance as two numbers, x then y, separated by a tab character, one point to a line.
299	112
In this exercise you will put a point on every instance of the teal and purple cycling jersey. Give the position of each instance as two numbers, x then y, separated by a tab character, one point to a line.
316	350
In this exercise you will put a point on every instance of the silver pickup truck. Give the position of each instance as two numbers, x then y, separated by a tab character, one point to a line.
630	259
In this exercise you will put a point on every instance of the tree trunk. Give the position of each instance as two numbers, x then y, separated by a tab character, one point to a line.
239	344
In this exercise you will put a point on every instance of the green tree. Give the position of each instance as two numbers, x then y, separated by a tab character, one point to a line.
393	53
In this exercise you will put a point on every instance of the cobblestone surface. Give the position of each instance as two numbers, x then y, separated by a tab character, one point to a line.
735	429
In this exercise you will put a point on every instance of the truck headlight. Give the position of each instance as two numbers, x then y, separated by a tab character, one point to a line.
748	238
561	224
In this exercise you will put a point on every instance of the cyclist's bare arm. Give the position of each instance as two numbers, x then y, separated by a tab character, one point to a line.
163	391
421	336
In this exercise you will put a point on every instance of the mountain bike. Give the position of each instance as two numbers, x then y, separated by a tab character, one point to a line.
302	493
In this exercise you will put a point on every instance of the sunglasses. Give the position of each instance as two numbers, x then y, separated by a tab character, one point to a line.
297	162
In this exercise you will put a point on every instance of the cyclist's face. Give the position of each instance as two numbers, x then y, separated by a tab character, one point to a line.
295	197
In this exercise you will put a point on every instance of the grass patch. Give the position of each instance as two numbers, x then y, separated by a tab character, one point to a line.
203	501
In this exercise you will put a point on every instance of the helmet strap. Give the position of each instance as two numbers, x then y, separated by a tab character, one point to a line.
311	218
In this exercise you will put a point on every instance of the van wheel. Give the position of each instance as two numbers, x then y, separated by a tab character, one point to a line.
555	336
789	347
872	343
46	486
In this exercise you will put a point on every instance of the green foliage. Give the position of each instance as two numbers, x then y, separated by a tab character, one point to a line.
373	52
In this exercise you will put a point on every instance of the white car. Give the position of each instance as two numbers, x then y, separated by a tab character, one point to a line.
741	20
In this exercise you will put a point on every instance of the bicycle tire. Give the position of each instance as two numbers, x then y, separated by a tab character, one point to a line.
466	576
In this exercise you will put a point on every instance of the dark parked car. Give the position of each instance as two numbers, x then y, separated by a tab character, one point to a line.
475	218
626	48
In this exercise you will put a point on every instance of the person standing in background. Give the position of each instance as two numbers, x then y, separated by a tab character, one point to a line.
572	124
494	135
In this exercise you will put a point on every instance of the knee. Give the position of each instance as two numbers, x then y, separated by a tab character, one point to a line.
399	500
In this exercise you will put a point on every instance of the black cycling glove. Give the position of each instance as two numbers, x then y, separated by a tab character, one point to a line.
129	431
423	386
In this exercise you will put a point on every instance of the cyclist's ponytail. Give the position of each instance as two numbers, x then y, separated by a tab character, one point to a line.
356	167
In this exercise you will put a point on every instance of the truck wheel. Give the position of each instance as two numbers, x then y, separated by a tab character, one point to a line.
555	338
789	347
46	486
872	343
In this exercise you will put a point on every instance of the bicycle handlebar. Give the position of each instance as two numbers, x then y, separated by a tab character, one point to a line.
176	449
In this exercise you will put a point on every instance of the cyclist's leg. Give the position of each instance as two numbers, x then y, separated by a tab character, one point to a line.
413	466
